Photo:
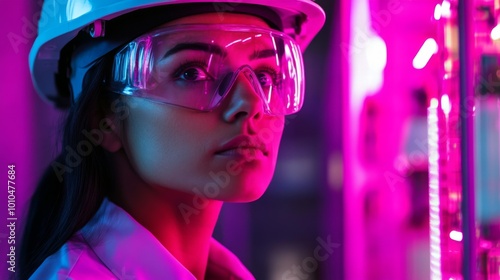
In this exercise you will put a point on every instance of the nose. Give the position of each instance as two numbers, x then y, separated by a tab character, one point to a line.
243	99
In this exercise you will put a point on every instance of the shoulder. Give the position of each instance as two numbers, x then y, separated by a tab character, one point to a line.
74	260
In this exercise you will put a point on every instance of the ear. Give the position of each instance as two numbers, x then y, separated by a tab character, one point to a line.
111	137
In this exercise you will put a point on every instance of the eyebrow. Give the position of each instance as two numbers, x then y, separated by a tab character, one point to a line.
210	48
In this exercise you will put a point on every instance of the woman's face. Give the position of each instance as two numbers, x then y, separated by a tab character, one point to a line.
226	154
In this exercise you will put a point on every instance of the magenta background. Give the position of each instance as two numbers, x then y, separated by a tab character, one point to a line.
27	123
29	129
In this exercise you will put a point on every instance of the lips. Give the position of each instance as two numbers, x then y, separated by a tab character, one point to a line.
243	146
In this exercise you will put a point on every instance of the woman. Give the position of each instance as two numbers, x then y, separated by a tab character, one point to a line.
174	108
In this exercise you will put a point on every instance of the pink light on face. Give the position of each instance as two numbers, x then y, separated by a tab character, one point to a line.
425	53
456	235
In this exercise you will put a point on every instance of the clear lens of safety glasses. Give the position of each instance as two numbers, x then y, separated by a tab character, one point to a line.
195	66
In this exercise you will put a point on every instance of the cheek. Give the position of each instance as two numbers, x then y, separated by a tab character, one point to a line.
162	146
170	147
271	132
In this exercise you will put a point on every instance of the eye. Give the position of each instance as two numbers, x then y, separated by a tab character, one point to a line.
192	73
266	77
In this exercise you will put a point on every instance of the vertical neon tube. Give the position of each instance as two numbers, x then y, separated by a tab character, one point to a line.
435	232
466	47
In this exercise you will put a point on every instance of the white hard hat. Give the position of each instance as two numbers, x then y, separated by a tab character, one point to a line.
62	20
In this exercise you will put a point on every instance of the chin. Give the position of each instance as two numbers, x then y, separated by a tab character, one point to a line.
246	192
247	197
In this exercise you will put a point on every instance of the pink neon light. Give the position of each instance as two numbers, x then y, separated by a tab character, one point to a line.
437	12
446	9
456	235
435	232
425	53
445	104
495	33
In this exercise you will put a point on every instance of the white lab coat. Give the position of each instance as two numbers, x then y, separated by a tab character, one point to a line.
112	245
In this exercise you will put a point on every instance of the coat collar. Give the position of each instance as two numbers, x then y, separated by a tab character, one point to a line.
128	249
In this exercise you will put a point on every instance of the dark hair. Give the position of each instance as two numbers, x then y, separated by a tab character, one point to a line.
69	194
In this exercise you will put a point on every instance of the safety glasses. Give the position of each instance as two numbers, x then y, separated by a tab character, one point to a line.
196	66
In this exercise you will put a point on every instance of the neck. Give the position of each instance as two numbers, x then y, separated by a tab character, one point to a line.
182	222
